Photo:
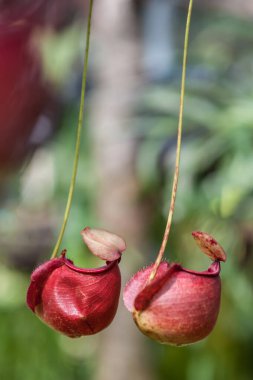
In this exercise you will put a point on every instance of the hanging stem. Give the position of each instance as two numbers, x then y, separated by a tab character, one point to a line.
179	138
78	136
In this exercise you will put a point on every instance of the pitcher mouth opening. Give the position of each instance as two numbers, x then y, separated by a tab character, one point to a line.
102	269
212	271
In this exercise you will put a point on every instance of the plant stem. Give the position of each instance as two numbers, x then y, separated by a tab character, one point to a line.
179	138
78	136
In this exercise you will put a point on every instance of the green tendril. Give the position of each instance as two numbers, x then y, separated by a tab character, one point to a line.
78	136
179	138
